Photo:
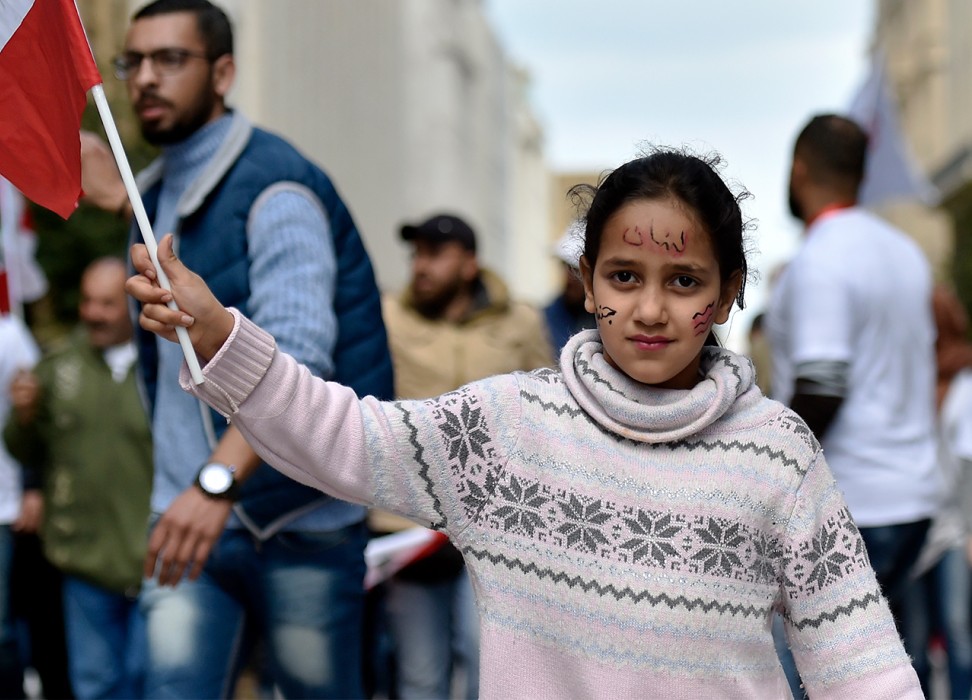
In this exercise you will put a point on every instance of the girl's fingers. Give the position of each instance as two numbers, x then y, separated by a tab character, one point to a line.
164	316
146	290
142	261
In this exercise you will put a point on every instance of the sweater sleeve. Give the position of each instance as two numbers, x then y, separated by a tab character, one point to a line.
431	461
838	623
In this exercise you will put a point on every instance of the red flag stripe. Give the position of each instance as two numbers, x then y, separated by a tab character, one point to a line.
4	293
46	70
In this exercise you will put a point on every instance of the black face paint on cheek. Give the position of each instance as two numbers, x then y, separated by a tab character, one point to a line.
604	312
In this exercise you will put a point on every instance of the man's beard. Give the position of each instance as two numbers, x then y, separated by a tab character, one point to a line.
184	128
433	305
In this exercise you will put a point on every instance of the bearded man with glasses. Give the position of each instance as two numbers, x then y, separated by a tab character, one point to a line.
235	548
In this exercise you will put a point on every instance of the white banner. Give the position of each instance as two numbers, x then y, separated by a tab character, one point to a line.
891	172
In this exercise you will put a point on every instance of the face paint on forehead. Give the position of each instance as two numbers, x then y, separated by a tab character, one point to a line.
703	319
635	237
669	241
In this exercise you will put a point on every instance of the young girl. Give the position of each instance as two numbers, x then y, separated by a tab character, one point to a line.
630	520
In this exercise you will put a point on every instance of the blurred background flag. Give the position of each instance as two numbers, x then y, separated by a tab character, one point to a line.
46	70
21	278
891	172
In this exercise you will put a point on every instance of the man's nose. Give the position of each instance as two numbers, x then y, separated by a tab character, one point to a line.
419	264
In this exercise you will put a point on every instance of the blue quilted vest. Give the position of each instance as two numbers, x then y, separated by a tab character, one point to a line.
361	357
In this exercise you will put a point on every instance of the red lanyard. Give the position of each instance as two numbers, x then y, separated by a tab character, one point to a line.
829	211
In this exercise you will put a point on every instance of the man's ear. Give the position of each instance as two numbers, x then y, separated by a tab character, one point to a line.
798	171
470	266
727	297
224	73
587	277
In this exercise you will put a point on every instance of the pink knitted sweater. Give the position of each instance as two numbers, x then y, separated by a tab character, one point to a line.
623	541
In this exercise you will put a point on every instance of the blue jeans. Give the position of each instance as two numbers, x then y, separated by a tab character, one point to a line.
11	671
893	551
106	641
786	658
432	624
301	591
940	600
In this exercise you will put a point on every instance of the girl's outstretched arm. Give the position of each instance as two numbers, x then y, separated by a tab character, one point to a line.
433	461
208	322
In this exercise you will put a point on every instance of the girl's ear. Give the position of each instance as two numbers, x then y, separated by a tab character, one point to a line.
729	291
587	277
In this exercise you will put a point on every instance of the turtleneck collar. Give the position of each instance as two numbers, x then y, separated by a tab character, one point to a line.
196	150
646	413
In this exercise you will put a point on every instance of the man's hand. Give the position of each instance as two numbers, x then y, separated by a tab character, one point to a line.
102	183
31	512
209	323
185	535
24	395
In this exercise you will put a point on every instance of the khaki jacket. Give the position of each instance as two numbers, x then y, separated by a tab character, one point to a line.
432	357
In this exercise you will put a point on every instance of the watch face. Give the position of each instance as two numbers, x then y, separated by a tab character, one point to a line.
215	478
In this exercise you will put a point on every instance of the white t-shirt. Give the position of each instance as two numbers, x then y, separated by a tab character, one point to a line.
859	291
953	524
17	351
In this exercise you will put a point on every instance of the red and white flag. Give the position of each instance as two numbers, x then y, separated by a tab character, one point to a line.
891	172
21	278
46	70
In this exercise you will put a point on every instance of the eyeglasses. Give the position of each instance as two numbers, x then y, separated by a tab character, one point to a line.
168	61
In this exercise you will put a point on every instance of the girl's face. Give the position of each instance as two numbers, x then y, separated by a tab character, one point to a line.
656	292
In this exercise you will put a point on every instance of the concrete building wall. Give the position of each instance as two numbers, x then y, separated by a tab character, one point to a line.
916	39
412	107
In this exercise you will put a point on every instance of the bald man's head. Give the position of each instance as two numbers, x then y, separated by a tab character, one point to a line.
104	305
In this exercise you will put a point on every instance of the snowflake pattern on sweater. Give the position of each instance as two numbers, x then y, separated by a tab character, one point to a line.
623	541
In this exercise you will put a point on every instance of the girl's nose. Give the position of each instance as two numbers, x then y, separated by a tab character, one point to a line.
651	309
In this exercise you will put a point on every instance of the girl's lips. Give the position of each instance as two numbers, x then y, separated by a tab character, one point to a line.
654	342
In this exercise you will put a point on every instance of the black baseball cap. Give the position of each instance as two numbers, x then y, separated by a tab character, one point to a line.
442	228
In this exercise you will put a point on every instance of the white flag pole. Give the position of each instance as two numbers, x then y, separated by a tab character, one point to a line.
144	226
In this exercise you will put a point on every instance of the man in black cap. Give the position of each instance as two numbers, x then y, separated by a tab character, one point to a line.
455	323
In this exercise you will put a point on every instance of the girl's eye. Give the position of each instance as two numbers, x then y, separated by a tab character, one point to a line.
624	276
685	282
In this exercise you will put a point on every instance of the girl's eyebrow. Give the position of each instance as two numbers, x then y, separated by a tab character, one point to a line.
687	267
673	266
622	262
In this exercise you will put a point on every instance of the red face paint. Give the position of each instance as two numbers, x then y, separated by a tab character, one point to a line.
670	242
703	319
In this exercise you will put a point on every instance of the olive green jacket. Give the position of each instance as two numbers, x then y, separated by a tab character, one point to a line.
91	444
